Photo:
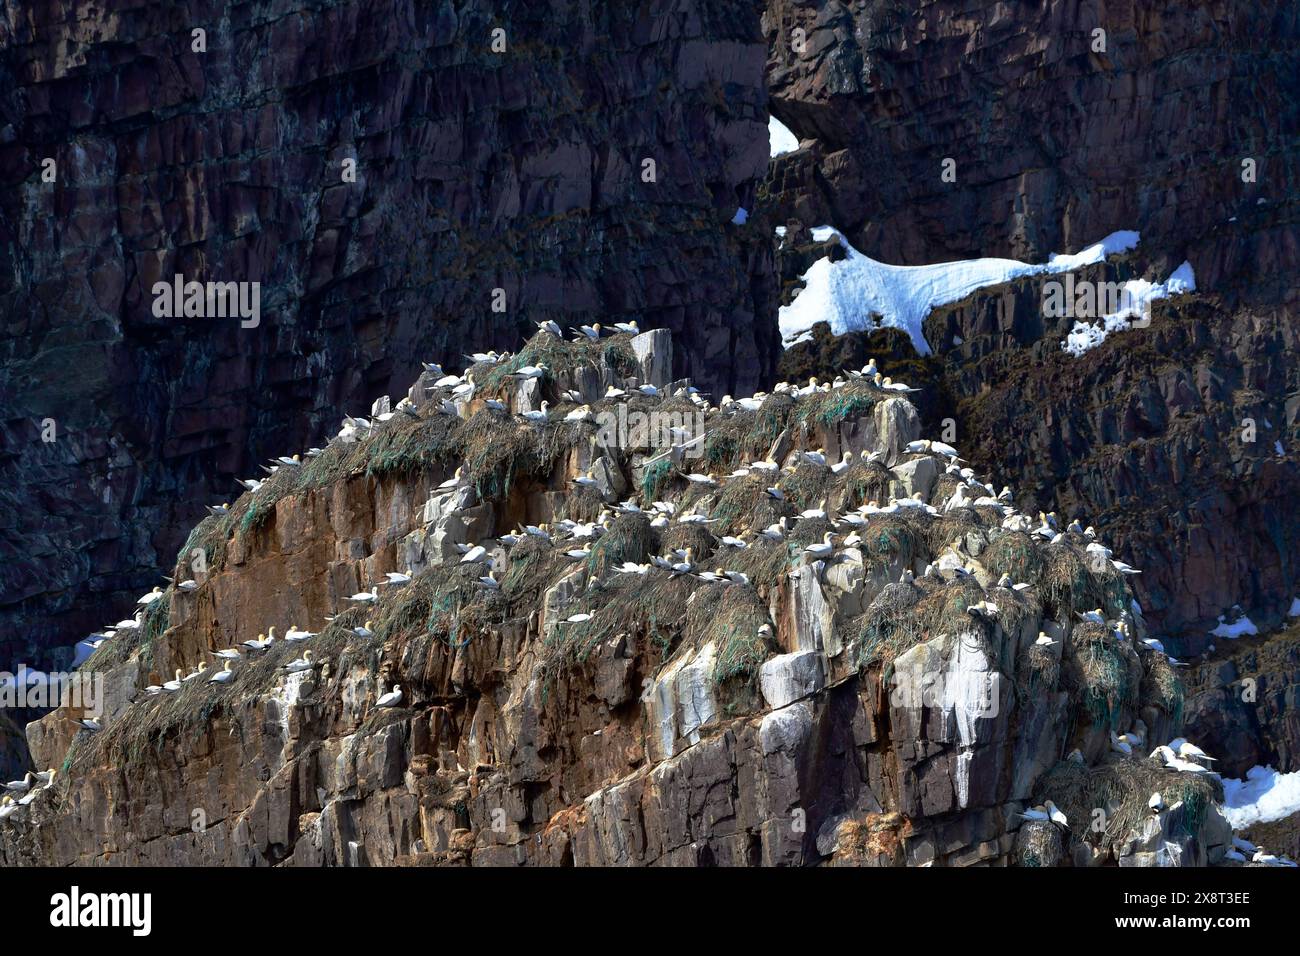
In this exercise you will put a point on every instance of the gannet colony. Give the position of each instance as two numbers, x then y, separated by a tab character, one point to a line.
560	609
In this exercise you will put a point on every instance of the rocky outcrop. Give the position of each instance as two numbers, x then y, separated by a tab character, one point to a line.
889	702
495	148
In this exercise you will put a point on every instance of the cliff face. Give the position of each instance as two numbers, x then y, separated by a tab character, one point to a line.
1178	441
476	170
851	708
1059	136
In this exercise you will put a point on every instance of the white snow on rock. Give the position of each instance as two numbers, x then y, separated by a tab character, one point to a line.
1137	295
779	137
1265	795
847	293
1235	630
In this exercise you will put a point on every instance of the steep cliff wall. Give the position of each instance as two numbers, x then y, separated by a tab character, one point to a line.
896	699
476	169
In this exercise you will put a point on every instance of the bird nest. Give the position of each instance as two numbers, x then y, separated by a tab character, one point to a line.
863	482
1014	553
764	562
826	409
890	538
729	617
806	485
1100	674
886	629
1161	684
1121	788
697	537
656	477
629	538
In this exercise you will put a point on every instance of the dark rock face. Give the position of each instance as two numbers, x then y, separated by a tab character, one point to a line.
1246	706
1055	143
476	170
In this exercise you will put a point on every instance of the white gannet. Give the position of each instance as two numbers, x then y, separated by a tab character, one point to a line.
223	675
586	332
303	663
397	577
392	698
551	327
152	596
529	371
823	550
684	566
364	597
364	630
1189	751
582	618
490	582
1055	815
294	635
23	785
628	327
173	685
188	585
817	457
91	724
229	654
474	555
260	643
538	417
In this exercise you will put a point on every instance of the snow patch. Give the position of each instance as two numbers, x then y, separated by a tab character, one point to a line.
1295	608
847	294
1234	631
779	138
1265	795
